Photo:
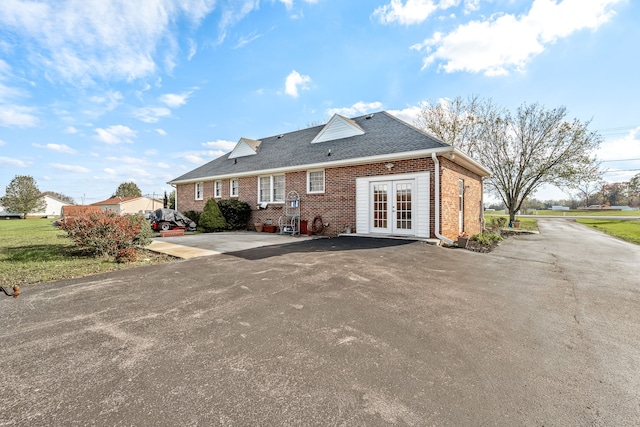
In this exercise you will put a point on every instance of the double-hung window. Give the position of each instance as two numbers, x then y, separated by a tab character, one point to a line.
315	181
234	188
217	189
271	189
199	191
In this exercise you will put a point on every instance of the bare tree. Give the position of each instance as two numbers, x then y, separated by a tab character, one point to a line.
523	151
586	182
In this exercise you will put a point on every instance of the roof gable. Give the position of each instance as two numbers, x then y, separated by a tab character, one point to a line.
338	127
245	147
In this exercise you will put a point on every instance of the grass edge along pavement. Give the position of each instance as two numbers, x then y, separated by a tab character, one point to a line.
628	231
33	251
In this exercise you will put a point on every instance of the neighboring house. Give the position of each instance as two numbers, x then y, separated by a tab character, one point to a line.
53	207
8	215
129	205
373	174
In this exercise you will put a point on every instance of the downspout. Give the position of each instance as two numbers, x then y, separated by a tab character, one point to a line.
437	201
482	219
175	201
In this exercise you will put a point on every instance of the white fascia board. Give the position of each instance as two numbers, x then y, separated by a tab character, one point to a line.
467	162
324	165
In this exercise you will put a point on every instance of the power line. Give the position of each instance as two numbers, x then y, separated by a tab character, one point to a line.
619	160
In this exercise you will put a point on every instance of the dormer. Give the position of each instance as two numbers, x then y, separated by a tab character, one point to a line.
245	147
338	127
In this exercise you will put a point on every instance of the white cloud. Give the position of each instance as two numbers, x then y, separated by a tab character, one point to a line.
115	134
17	116
84	40
60	148
13	163
2	143
151	114
245	40
162	165
126	159
175	100
110	171
294	82
411	12
194	158
71	168
409	114
233	14
71	130
220	145
151	152
506	42
627	147
356	109
161	132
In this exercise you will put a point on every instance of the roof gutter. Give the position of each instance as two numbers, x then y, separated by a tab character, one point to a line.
322	165
437	201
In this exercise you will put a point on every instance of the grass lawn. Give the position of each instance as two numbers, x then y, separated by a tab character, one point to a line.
32	251
625	230
586	213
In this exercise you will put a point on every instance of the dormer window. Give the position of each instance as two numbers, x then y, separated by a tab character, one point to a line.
245	147
338	127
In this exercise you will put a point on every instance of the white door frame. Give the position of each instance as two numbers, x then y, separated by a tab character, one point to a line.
391	207
420	204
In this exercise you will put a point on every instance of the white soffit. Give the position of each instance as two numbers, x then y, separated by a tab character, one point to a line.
245	147
338	127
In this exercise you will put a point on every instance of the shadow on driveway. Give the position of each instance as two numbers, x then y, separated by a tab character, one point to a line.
343	243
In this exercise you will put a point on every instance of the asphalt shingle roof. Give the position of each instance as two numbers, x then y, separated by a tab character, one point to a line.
384	134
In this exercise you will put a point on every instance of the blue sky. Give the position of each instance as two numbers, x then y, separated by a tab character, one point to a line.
94	93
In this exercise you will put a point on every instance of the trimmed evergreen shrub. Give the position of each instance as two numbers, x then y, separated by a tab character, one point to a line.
236	212
211	218
193	215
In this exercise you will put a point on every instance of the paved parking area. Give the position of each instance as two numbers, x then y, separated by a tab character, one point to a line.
347	331
207	244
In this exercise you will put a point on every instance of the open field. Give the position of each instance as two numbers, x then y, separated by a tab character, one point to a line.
32	251
574	213
625	230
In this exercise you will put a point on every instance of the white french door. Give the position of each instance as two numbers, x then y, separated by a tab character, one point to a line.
391	209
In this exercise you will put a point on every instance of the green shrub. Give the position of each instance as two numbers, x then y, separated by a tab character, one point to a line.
487	238
193	215
212	218
108	234
236	212
498	222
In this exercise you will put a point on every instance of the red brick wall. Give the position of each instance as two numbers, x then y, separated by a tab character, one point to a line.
337	206
450	174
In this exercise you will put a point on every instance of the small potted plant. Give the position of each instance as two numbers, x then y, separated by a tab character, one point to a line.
259	226
516	223
463	240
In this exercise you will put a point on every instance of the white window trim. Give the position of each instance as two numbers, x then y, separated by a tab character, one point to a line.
323	181
217	189
231	194
195	188
271	189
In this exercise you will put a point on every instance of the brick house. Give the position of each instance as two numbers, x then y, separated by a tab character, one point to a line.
373	174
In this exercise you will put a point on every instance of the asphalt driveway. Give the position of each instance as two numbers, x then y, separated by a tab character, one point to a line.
542	331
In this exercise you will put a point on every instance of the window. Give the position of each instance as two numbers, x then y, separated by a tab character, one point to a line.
199	190
271	189
217	189
315	181
233	188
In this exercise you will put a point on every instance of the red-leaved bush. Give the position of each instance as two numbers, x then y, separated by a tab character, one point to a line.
108	234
